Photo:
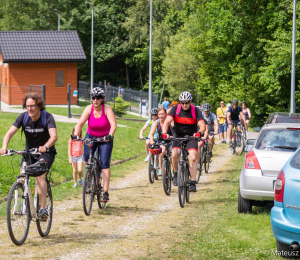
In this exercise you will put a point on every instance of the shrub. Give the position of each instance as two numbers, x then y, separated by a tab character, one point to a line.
120	106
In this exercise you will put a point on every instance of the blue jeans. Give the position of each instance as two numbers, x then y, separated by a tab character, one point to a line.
105	150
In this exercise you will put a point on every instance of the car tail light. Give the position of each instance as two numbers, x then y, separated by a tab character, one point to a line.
293	128
279	187
251	161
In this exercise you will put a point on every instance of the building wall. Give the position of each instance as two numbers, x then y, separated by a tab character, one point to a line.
22	75
5	94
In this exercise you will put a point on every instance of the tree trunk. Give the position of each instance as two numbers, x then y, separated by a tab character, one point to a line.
139	67
127	76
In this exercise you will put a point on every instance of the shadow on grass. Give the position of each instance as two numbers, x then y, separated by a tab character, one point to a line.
256	210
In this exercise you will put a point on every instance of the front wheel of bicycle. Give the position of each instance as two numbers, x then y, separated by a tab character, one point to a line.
166	176
232	148
18	221
206	165
240	143
181	185
187	183
45	226
88	192
101	204
151	169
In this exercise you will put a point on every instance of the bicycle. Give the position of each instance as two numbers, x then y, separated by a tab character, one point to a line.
166	168
204	159
92	182
153	166
22	207
238	142
183	174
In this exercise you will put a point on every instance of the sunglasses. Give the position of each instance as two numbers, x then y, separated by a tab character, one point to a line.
98	98
185	103
154	114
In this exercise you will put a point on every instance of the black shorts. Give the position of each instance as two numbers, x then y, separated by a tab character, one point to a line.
191	145
48	157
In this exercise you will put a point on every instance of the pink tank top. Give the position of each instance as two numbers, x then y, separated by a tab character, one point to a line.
98	127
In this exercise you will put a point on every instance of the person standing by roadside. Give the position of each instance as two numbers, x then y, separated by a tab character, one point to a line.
247	114
120	92
75	153
222	121
166	104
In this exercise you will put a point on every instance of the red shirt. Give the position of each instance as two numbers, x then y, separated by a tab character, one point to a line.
76	148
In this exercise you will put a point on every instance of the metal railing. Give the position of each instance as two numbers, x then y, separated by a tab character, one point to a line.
133	96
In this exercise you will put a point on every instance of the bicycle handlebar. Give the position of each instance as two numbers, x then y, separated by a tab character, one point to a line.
89	140
182	139
145	138
33	151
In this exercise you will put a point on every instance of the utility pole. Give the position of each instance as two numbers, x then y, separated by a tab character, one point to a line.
92	47
150	63
293	105
58	12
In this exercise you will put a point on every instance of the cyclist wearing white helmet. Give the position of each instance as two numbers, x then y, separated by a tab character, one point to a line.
101	123
233	114
149	124
186	119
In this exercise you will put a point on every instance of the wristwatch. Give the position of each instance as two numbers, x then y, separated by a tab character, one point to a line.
47	148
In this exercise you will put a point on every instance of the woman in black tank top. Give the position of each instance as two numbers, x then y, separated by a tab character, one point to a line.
162	115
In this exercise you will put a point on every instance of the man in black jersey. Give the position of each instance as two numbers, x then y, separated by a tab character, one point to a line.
233	115
38	136
186	120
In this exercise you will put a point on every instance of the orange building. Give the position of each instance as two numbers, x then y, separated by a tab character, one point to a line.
36	58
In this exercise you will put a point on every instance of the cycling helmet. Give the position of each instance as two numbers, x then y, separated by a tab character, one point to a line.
206	107
37	169
97	92
235	101
243	102
185	96
155	149
153	111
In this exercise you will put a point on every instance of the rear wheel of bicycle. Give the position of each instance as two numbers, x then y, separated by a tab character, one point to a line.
17	221
240	143
181	186
206	165
166	176
88	192
151	169
45	226
199	171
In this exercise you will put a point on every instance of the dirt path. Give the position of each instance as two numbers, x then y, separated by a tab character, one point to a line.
135	221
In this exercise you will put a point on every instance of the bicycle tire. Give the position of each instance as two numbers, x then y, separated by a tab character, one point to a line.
155	170
99	190
44	227
166	177
13	220
151	169
206	166
240	151
187	183
232	148
88	192
199	171
181	185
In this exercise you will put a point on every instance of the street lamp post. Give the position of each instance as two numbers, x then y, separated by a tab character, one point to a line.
58	12
150	63
293	105
92	47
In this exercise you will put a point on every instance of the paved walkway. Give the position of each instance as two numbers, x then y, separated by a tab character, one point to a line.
57	118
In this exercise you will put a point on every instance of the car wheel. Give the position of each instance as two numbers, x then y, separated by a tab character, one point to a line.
285	251
244	205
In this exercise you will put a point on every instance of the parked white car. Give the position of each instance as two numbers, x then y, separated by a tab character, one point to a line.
272	148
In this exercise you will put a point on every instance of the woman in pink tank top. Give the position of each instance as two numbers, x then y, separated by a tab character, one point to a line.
101	123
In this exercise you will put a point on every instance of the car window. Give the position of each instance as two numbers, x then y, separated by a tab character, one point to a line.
269	138
283	119
295	162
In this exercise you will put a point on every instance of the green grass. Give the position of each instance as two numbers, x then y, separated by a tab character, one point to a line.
214	229
126	144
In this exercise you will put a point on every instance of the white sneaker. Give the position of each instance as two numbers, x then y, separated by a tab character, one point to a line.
247	133
147	158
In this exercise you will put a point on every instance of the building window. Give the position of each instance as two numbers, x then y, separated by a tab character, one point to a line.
60	77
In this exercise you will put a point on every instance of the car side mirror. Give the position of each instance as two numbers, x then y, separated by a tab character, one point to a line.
256	129
248	147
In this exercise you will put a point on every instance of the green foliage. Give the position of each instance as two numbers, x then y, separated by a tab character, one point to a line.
120	106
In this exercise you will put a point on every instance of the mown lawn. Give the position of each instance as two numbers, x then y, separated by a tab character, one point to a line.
126	144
